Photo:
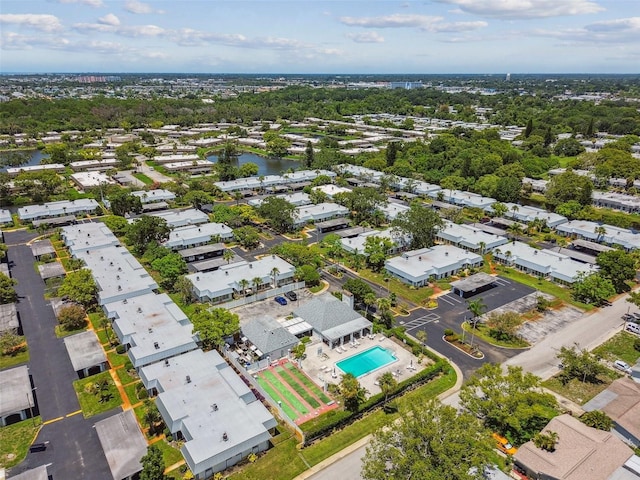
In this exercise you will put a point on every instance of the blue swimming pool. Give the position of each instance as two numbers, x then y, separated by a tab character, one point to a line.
367	361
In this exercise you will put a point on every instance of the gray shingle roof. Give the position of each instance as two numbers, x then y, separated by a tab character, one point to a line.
326	313
268	335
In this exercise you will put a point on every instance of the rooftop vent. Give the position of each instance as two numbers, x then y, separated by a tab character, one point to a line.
111	264
225	437
156	345
166	362
101	257
198	277
214	407
226	272
188	378
150	330
446	254
119	288
125	301
139	309
251	265
117	277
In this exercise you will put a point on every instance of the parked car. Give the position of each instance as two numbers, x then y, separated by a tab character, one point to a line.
624	366
281	300
504	445
291	296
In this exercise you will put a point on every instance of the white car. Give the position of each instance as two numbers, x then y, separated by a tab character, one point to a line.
624	366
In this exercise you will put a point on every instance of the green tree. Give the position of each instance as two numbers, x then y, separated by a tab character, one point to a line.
359	288
568	186
476	308
299	351
593	288
387	383
72	317
3	250
499	209
308	274
184	288
118	225
508	189
528	129
369	301
308	155
147	230
7	289
391	153
198	198
278	213
362	202
299	254
247	236
617	266
376	249
152	464
11	344
248	169
278	147
512	403
568	147
214	325
580	364
123	202
503	326
352	393
597	419
170	267
80	287
228	255
432	442
546	440
419	223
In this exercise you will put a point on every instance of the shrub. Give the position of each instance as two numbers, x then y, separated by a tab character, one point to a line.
448	332
120	349
72	317
636	344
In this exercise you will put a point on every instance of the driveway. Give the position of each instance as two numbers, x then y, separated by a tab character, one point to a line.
73	449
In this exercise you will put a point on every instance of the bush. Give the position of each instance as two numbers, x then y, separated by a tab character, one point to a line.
636	344
448	332
128	365
120	349
72	317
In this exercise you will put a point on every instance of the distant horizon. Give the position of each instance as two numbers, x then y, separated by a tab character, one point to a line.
309	36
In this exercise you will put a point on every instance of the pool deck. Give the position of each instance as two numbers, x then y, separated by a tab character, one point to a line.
320	368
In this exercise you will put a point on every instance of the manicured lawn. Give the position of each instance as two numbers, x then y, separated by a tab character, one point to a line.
61	332
170	454
117	359
619	347
93	401
143	178
300	390
285	392
7	361
317	288
307	382
96	320
402	290
482	331
285	461
580	392
542	285
16	439
291	413
125	376
130	390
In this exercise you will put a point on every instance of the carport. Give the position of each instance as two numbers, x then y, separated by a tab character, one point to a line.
334	224
472	285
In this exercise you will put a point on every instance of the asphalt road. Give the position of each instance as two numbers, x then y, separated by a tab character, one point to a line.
73	448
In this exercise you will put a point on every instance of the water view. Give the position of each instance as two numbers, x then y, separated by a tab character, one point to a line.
266	166
35	157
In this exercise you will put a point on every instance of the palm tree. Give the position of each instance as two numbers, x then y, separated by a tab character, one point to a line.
237	196
499	209
227	255
482	246
476	308
369	299
243	285
387	384
256	281
515	209
274	275
421	335
600	231
384	304
515	229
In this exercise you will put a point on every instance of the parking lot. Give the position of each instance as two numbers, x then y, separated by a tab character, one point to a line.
270	308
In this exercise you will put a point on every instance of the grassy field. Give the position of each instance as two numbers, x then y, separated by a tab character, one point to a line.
307	382
7	361
125	377
402	290
482	331
91	400
284	392
619	347
143	178
299	389
16	439
545	286
117	359
170	454
581	392
96	319
285	461
61	332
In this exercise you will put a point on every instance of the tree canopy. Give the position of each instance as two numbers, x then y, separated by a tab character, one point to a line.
278	213
420	224
432	442
617	266
214	325
147	230
568	186
123	202
7	289
593	288
80	287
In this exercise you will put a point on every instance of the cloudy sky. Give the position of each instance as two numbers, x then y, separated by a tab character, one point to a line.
317	36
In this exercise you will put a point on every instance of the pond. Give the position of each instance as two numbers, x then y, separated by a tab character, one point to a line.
266	166
35	158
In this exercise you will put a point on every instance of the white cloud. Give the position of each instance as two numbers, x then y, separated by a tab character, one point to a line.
619	25
109	19
526	8
17	41
134	6
622	31
42	22
455	27
131	31
366	37
91	3
396	20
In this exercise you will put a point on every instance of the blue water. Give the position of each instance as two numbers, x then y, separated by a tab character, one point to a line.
35	159
366	362
266	166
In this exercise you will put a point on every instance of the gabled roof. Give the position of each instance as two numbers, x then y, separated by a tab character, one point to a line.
326	312
268	335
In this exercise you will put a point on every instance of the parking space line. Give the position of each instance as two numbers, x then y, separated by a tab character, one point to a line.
73	413
52	420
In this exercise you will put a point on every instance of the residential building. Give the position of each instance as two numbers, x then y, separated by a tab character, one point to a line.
123	444
538	186
424	188
526	214
462	199
621	402
87	237
203	252
469	238
580	453
206	404
62	208
271	339
221	285
600	233
43	248
193	166
196	235
180	218
357	171
416	267
152	327
45	167
333	320
9	319
5	218
86	354
98	164
17	396
176	158
542	263
616	201
153	196
318	213
91	179
117	273
297	199
358	243
392	209
330	189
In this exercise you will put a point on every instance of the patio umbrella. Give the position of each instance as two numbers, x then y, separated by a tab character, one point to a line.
411	363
